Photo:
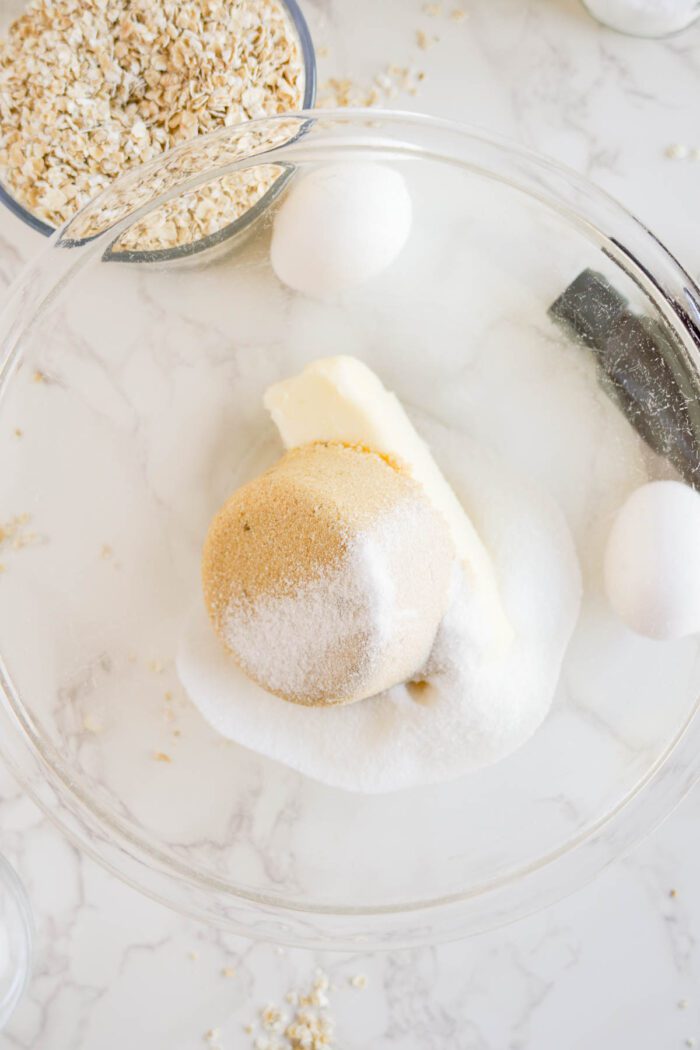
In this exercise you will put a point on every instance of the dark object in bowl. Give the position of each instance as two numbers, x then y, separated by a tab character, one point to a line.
639	368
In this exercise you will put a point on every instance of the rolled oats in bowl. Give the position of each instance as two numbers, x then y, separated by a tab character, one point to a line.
200	215
91	88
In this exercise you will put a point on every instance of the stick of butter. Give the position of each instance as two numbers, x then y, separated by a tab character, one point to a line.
341	399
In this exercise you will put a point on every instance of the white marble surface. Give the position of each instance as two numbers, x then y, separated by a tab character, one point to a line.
618	965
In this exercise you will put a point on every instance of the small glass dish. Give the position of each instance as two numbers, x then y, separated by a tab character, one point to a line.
15	940
641	20
229	228
131	406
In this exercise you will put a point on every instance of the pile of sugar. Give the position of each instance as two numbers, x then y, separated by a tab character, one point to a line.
477	707
327	575
362	624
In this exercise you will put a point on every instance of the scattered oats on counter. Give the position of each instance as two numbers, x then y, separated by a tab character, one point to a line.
389	83
213	1038
15	535
160	756
423	40
679	151
310	1027
89	88
359	981
310	1031
91	725
272	1018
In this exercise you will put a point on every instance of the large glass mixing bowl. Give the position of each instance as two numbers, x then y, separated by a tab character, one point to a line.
130	406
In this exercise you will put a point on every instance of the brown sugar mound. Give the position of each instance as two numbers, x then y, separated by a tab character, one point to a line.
299	567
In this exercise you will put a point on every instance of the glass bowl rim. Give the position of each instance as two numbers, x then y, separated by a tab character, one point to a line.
516	894
14	887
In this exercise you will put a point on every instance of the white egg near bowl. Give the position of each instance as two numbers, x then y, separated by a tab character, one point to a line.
652	561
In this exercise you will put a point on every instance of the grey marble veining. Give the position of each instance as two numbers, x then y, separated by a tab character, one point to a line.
616	965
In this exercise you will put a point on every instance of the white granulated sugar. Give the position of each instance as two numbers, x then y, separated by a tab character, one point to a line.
370	602
289	636
478	707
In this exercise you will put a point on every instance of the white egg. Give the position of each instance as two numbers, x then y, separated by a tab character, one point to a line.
339	226
652	561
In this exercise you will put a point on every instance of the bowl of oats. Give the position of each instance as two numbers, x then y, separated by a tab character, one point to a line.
532	345
90	91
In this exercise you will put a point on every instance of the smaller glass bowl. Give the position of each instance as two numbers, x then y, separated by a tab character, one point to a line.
631	19
15	940
238	225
